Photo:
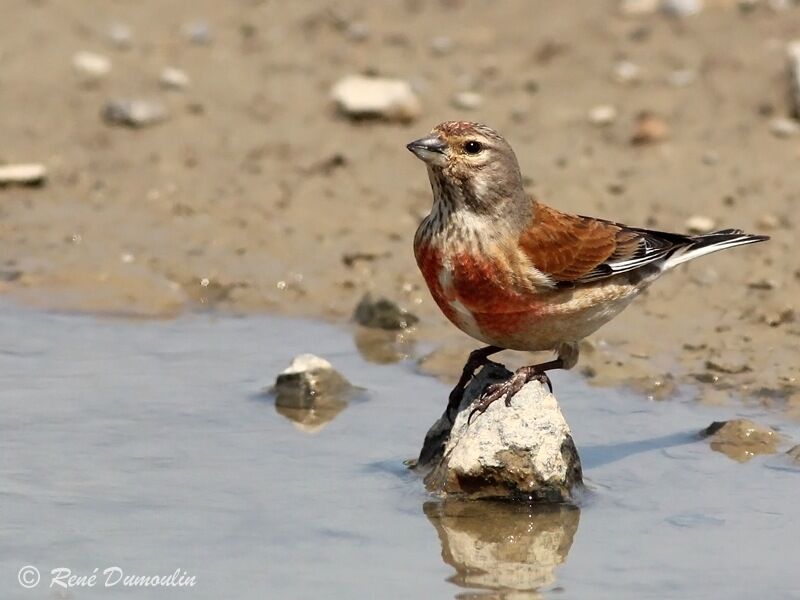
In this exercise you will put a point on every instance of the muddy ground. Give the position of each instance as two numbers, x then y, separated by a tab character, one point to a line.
256	195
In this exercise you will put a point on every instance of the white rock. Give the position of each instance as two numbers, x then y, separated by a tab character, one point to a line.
306	362
635	8
793	74
602	115
24	174
392	99
120	35
134	112
700	224
524	450
198	32
468	100
174	79
783	128
91	64
626	71
682	8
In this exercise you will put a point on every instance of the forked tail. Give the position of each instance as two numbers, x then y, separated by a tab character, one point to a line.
700	245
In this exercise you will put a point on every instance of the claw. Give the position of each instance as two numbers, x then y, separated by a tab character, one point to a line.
508	389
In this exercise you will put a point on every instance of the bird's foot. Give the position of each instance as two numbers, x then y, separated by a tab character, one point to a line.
508	388
477	358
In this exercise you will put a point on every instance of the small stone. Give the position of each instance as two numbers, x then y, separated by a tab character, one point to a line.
783	128
120	35
442	45
700	224
467	100
23	174
649	129
309	381
198	32
741	439
373	97
627	72
682	8
133	112
794	454
602	115
358	31
174	79
636	8
382	313
91	64
682	77
768	222
710	158
729	364
763	284
522	451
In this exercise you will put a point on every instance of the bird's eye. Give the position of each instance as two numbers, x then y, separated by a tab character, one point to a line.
473	147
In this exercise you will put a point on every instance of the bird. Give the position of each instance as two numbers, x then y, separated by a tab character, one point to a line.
517	274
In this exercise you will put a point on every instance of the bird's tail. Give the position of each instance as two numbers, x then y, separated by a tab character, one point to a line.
700	245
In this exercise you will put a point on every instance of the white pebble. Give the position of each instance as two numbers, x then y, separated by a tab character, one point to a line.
627	72
783	128
682	77
700	224
25	174
358	96
91	64
635	8
468	100
441	44
682	8
174	79
120	35
134	112
603	114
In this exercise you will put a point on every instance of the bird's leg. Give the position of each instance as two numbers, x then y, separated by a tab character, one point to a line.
567	358
477	358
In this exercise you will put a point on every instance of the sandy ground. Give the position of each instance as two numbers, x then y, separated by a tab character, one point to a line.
255	195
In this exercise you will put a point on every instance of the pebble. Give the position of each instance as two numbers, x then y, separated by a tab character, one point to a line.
741	439
602	115
768	222
626	72
793	74
382	313
309	381
468	100
794	454
682	77
373	97
133	112
91	64
174	79
198	32
23	174
783	128
700	224
120	35
649	129
358	31
682	8
442	45
636	8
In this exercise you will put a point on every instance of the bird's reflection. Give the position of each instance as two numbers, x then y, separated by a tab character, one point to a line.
506	550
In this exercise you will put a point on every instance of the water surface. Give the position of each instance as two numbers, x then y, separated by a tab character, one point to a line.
146	445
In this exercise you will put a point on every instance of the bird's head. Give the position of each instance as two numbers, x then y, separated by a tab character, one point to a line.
470	166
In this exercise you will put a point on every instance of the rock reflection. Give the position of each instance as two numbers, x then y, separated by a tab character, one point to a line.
312	420
502	547
382	347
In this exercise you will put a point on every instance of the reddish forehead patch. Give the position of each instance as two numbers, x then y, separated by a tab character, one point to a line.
459	127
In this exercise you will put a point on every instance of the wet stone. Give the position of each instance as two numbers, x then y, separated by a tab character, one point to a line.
741	439
523	451
310	381
382	313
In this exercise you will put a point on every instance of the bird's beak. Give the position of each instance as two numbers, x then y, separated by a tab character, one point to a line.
429	149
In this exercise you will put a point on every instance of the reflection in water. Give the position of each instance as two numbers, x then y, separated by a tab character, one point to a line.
382	347
312	420
503	547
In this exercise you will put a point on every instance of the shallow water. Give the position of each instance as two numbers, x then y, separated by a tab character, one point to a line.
147	446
